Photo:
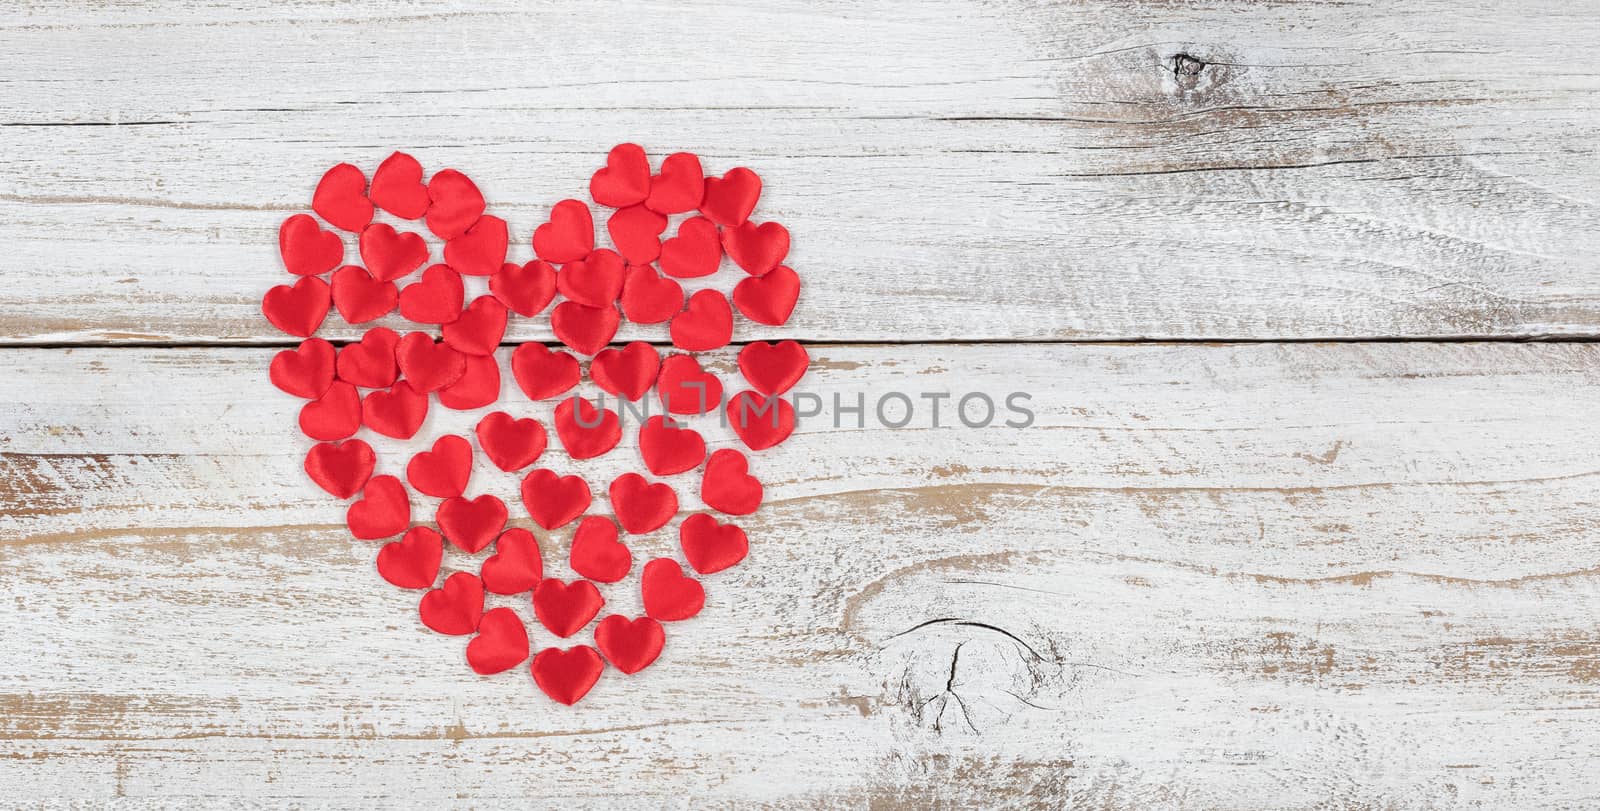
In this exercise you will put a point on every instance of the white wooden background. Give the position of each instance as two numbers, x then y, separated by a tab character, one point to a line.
1230	566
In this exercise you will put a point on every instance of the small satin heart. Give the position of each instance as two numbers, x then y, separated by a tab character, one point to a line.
596	552
648	297
526	289
706	324
685	388
727	486
695	251
390	254
516	565
397	187
730	199
481	250
625	180
680	186
756	248
307	250
305	371
586	430
594	281
629	645
768	299
383	510
479	328
567	675
299	309
669	595
628	372
511	444
501	643
554	501
369	362
479	385
454	204
642	507
340	468
709	546
568	236
334	415
471	523
413	561
542	372
428	365
585	329
760	421
636	231
773	368
360	298
341	198
669	448
454	608
436	299
565	608
443	471
397	412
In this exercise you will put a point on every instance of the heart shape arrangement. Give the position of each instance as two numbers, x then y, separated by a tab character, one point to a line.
388	383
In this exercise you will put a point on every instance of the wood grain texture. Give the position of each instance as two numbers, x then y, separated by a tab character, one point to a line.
1285	577
1062	170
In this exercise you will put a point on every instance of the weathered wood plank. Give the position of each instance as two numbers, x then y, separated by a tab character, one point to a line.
949	170
1245	576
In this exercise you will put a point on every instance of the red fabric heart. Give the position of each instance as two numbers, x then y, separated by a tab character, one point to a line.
685	388
669	449
516	565
629	645
341	198
397	412
334	415
307	250
454	204
542	372
501	643
760	421
390	254
768	299
648	297
586	431
595	281
773	368
625	180
695	251
680	186
369	362
568	236
565	608
471	523
383	510
456	607
479	328
437	299
597	553
526	289
668	594
482	249
727	485
756	248
305	371
705	325
298	310
628	372
359	297
567	675
642	507
636	231
554	501
427	364
341	468
413	561
443	471
730	198
711	547
585	329
479	385
511	444
397	187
